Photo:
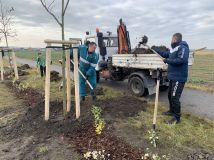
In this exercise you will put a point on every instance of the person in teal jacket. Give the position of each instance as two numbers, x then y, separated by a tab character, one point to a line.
40	62
88	60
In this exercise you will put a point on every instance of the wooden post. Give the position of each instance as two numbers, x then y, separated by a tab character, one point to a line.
68	80
156	100
15	65
47	82
76	81
2	66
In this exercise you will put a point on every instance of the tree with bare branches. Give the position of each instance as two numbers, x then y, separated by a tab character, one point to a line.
49	8
6	22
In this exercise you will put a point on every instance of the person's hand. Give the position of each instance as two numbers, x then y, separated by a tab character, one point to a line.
153	47
165	60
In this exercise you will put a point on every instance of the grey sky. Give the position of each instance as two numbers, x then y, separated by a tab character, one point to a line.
158	19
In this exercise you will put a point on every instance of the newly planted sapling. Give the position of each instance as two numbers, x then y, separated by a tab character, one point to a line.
153	138
99	122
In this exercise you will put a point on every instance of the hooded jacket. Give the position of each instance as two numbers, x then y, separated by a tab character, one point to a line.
177	61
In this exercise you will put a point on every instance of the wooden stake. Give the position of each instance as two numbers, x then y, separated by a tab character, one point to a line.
76	81
68	80
2	66
47	82
156	100
15	66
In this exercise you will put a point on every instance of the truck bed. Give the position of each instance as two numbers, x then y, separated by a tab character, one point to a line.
143	61
139	61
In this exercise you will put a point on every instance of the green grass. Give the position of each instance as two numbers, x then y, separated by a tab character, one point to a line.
9	101
192	134
55	55
34	80
201	74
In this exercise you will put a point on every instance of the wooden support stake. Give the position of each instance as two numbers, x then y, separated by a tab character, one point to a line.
76	81
2	66
15	65
68	80
47	82
156	100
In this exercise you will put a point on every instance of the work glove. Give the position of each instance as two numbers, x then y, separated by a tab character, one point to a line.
153	47
165	60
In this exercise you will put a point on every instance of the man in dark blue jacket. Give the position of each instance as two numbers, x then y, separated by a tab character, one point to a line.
177	62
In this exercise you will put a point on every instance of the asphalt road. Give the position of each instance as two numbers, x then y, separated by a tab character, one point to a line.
198	102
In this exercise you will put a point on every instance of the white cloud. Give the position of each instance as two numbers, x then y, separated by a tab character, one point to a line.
157	19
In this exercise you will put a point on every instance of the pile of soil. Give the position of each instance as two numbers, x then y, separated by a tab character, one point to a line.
54	76
30	96
148	51
24	67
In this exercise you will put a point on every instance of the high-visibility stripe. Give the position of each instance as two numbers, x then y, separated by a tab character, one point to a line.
175	88
83	60
93	65
87	62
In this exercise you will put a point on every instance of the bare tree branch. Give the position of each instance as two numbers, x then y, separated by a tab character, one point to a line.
66	6
6	22
51	13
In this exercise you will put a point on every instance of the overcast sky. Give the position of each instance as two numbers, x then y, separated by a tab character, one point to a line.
158	19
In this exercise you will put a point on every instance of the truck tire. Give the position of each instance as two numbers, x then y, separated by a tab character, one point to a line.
136	86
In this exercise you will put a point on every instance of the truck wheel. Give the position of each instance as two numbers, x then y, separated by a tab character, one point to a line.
136	86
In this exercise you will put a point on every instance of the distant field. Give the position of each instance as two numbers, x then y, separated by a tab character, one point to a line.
55	56
202	70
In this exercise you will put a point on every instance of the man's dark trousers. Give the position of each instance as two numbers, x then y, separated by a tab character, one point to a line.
174	94
42	71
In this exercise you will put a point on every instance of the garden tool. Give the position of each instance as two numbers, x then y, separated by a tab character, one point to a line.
85	78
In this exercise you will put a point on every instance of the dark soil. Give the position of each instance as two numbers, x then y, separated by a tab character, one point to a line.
149	51
79	133
54	76
24	67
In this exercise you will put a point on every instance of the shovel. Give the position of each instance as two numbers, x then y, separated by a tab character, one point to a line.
92	88
156	100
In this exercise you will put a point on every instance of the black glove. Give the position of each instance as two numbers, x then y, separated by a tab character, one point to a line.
165	60
153	47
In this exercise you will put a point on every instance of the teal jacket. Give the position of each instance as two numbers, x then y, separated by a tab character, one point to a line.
87	61
40	61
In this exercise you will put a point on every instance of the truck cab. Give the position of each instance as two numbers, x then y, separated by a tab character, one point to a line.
107	45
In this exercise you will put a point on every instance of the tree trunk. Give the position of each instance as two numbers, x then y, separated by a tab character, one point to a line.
9	57
63	63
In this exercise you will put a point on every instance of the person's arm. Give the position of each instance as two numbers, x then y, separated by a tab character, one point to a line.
92	66
181	58
164	54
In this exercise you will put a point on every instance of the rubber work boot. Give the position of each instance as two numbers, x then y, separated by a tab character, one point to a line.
82	98
94	98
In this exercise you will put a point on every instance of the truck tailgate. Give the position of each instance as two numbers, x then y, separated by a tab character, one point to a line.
139	61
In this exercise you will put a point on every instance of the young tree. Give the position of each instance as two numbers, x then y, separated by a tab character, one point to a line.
49	8
6	22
